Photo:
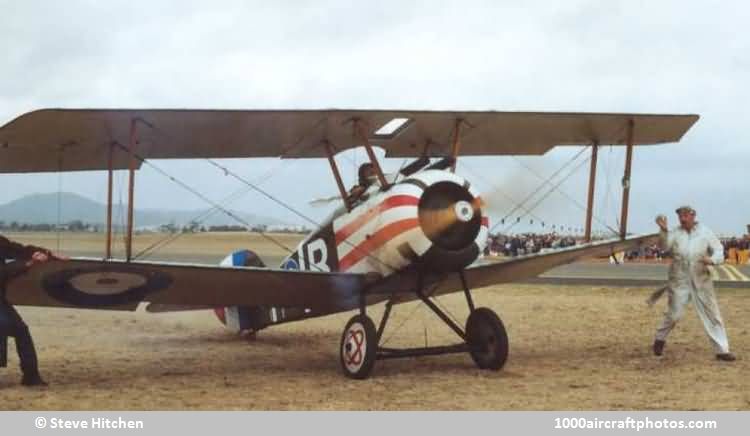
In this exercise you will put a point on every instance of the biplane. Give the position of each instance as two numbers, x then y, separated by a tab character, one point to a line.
412	236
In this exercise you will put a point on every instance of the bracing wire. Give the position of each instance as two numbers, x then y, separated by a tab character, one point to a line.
271	197
226	171
228	212
538	189
565	194
203	197
163	242
202	217
549	192
497	188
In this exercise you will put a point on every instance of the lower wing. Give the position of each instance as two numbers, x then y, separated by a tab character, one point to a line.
118	285
516	269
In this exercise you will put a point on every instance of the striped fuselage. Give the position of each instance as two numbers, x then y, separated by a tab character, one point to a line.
385	232
382	234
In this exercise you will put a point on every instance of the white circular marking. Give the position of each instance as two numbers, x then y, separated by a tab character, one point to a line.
354	347
106	283
464	211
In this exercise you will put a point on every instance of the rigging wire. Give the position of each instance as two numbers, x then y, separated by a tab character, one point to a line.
205	215
271	197
497	188
548	193
401	324
228	212
565	194
199	219
226	171
538	189
203	197
419	305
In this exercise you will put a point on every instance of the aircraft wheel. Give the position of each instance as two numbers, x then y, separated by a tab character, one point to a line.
487	339
358	347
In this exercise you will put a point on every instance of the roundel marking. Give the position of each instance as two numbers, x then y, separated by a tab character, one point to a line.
104	285
290	264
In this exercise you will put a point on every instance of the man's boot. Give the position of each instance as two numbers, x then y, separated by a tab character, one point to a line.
659	347
33	380
27	355
726	357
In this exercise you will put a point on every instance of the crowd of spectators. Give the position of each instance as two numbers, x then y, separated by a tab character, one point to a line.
736	249
528	243
648	252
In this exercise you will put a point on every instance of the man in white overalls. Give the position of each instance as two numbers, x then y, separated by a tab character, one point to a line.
694	247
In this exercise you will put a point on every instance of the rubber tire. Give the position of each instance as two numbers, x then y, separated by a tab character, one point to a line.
487	339
370	352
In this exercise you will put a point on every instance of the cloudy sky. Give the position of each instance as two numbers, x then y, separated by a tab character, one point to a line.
629	56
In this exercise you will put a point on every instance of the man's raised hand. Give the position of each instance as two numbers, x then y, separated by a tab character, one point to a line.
661	221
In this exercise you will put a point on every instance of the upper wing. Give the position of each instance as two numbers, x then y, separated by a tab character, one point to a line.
519	268
81	139
120	285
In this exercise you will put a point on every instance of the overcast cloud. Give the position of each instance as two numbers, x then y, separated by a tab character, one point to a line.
629	56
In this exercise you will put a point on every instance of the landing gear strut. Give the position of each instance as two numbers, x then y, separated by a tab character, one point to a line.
484	338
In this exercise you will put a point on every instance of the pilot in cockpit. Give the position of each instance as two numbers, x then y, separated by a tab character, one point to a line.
366	174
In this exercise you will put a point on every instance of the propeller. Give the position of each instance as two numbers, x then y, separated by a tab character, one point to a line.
450	216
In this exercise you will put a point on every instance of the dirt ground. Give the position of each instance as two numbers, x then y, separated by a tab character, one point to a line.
572	348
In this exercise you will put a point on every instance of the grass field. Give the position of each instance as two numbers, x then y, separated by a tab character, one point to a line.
205	247
572	348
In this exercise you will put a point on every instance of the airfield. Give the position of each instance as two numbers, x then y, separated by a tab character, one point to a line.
580	339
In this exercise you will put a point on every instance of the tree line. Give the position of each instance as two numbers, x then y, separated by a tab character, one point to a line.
81	226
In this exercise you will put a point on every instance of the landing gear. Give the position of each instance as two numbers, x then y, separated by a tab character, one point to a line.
484	338
487	339
359	345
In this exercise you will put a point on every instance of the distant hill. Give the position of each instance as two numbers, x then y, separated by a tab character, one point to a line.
43	209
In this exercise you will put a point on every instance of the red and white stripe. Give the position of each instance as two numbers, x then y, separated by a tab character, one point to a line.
367	238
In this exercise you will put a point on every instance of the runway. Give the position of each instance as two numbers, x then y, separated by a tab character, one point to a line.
635	274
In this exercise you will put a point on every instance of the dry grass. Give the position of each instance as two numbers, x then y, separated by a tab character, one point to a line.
571	348
208	243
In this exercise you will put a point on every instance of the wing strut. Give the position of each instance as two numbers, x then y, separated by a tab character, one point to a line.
359	130
456	143
626	181
109	202
592	185
131	189
337	175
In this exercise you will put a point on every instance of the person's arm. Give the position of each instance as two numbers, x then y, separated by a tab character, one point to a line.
666	238
14	250
716	250
17	267
14	269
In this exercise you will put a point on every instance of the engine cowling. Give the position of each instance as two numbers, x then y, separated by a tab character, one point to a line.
451	218
432	220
